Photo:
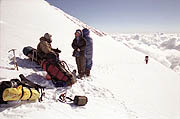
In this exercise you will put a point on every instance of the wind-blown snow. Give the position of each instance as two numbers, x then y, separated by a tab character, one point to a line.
121	84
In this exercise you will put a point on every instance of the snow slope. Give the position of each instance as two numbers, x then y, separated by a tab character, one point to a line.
121	85
165	48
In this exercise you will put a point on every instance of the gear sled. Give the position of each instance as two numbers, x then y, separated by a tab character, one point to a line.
59	71
15	90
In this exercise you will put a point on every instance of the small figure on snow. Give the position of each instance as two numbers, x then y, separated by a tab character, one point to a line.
146	59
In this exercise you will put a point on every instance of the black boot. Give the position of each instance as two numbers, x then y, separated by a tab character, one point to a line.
81	75
87	72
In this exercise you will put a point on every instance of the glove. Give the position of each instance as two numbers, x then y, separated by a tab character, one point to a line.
78	50
57	50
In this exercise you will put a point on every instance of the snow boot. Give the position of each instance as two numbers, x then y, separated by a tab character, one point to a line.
87	72
81	75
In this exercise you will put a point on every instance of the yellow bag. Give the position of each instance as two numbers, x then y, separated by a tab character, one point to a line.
20	93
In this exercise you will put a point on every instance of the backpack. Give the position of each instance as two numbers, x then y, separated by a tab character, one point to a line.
61	77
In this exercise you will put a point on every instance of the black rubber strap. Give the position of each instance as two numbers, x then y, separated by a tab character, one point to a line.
22	94
42	94
69	98
57	73
43	64
47	66
30	92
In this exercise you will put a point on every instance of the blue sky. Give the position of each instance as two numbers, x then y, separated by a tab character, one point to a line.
125	16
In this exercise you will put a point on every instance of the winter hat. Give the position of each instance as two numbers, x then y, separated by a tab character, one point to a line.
85	32
78	31
47	36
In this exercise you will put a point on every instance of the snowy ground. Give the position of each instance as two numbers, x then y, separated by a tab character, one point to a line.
121	84
165	48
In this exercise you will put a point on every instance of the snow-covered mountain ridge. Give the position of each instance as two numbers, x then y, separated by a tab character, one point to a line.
121	84
163	47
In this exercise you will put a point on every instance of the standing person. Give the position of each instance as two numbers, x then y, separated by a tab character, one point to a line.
146	59
88	50
79	45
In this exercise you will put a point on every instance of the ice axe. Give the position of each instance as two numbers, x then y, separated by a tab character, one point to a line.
14	59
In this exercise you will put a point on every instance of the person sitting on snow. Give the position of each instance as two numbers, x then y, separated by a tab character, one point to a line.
44	49
88	50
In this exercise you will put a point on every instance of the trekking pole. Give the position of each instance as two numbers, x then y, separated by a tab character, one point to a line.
34	56
14	59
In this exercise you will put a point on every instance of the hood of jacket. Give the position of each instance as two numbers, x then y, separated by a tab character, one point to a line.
44	39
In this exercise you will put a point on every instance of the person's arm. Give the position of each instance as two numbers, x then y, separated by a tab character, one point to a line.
83	45
45	48
56	50
74	46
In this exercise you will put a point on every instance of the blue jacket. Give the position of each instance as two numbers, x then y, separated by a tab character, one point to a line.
89	47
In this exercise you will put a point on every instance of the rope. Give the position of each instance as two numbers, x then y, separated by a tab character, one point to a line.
62	97
63	62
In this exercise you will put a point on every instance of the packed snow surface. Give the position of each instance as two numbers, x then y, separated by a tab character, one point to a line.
165	48
121	85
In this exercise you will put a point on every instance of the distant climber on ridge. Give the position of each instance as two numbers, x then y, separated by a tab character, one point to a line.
146	59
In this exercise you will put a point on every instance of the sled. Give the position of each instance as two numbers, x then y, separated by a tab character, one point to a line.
31	53
15	90
59	71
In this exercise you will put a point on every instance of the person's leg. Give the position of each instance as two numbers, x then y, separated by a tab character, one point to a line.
82	64
78	64
89	63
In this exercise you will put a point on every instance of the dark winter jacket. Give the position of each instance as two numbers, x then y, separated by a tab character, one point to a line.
81	44
44	48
